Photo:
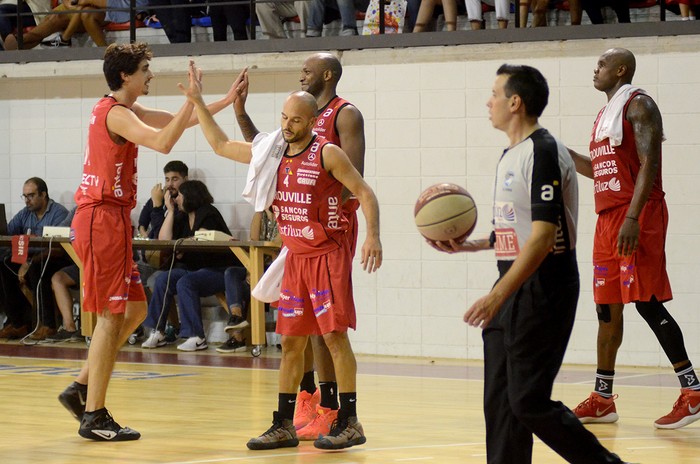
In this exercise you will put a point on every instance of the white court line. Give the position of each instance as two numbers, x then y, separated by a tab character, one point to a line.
647	447
427	458
398	448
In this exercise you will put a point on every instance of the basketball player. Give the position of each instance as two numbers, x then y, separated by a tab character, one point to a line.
528	315
316	297
342	124
101	229
629	261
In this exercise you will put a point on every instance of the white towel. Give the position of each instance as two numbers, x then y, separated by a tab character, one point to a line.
610	123
261	182
268	288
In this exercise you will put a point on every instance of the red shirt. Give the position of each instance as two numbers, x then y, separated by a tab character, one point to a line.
325	123
109	168
307	203
615	169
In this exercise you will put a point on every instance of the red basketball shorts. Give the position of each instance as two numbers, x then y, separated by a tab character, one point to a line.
101	237
624	279
316	294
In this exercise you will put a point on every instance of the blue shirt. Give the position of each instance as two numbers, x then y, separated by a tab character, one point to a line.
27	222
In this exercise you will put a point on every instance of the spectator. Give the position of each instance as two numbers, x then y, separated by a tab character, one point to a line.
177	22
8	12
686	7
594	9
425	14
194	275
238	301
476	16
320	10
40	211
223	16
272	15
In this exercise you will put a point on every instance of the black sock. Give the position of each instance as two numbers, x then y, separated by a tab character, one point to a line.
307	383
347	405
329	394
604	382
285	405
687	377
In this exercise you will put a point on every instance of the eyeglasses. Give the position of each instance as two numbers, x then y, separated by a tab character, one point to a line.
29	197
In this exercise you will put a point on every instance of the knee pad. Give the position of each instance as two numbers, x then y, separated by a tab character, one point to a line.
603	311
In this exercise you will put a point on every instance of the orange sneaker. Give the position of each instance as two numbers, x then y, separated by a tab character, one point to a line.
306	407
597	410
320	426
685	411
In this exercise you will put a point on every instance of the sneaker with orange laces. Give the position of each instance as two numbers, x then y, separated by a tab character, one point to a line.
306	408
320	426
686	410
597	410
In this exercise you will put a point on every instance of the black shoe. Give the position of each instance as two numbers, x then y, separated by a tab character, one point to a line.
345	432
73	399
231	345
236	322
282	434
64	335
56	42
99	425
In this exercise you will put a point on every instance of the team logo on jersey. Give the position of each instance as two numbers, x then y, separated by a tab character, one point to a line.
307	176
602	186
320	122
506	245
504	211
600	281
308	233
510	176
311	157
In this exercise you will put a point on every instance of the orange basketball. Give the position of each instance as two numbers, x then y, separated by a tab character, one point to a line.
444	212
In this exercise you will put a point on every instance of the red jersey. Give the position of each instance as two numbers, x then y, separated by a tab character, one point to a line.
325	123
615	169
307	203
109	168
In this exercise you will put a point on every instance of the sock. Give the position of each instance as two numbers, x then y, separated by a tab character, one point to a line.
347	405
285	405
329	394
686	376
604	382
307	383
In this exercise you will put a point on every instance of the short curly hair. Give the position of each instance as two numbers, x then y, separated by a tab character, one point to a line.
123	58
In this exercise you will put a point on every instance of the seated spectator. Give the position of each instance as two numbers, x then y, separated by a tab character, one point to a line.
223	16
272	13
95	23
8	15
40	211
425	14
594	9
176	22
193	275
238	300
320	10
476	15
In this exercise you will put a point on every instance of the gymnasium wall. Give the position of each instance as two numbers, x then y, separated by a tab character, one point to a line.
426	122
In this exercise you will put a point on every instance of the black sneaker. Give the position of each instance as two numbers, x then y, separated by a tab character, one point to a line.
73	399
64	335
56	42
236	322
231	345
345	432
99	425
282	434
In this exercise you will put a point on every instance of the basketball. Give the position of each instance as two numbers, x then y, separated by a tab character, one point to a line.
444	212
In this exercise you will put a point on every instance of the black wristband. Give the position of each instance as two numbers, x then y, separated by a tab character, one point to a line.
492	239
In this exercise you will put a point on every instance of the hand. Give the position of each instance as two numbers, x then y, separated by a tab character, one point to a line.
169	201
371	254
22	272
232	93
483	310
157	195
452	246
241	92
194	91
628	237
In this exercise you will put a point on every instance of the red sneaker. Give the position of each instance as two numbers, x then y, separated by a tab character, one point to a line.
306	407
320	426
685	411
597	410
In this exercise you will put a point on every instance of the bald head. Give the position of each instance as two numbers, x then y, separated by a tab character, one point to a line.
299	117
301	103
624	61
327	62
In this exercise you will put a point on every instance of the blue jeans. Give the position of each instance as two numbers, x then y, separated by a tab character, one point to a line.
317	9
237	290
190	286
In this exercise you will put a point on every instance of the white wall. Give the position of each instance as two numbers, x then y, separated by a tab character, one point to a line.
426	122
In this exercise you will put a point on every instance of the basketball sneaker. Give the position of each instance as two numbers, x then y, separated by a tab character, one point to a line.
193	344
319	426
345	432
73	399
306	407
154	340
281	435
597	410
685	411
100	426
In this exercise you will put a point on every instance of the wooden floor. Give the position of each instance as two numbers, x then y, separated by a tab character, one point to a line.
203	407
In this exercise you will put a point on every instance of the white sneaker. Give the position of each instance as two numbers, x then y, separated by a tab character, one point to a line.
193	344
154	340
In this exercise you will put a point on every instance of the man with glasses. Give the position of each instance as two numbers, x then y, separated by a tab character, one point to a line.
40	211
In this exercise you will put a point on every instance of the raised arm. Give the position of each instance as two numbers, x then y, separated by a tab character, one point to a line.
582	163
244	122
339	166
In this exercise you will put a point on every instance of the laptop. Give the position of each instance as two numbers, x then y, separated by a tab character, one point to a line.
3	220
